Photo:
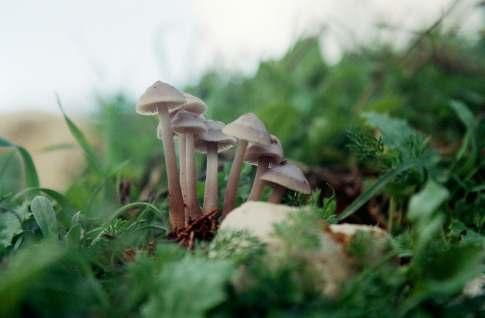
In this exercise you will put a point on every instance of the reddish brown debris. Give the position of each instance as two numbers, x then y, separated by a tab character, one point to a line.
203	229
338	237
129	255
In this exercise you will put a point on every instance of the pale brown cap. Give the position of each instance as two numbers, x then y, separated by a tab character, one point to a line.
187	122
192	104
273	152
248	127
159	95
288	176
215	135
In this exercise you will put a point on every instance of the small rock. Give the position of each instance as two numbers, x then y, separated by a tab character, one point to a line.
332	260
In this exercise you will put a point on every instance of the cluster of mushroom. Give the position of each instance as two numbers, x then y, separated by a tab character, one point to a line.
181	114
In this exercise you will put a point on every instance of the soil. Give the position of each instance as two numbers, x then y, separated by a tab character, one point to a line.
37	132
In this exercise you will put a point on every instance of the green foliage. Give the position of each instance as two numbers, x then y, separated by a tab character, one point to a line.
23	268
198	280
405	153
237	246
365	146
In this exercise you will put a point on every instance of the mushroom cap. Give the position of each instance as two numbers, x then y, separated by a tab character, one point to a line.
288	176
215	135
159	95
250	128
192	104
187	122
273	152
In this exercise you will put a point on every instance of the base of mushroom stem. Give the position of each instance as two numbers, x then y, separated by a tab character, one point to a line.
203	228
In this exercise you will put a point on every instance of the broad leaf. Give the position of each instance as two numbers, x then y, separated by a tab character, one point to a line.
427	201
45	216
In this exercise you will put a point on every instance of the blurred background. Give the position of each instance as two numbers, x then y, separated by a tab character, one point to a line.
307	68
87	48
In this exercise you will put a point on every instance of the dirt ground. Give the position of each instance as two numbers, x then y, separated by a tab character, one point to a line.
57	157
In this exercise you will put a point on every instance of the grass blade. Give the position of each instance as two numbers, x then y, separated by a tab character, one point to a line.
376	188
132	205
88	150
31	176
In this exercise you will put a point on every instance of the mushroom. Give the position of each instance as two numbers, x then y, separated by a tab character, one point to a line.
212	142
197	106
263	157
158	99
188	125
246	128
285	176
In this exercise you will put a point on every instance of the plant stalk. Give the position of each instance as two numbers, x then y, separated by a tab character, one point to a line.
193	205
175	200
277	194
211	182
257	189
232	182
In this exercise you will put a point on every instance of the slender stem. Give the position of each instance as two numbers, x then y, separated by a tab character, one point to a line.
182	166
232	182
183	173
211	186
193	206
175	201
277	194
257	188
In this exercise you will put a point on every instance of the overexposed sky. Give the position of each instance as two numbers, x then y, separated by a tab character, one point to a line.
76	48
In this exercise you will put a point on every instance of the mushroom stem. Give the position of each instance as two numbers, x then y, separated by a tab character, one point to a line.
193	206
175	201
257	189
277	194
232	182
211	184
182	166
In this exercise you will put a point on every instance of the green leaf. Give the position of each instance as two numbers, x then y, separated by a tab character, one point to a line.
394	131
421	211
470	140
199	281
31	177
67	210
45	216
465	115
9	227
425	202
88	150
